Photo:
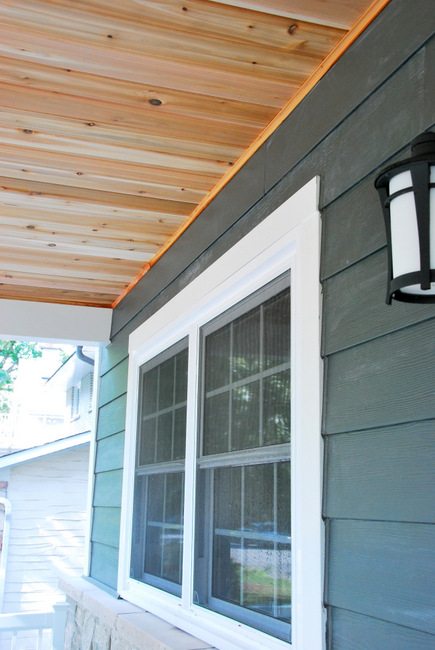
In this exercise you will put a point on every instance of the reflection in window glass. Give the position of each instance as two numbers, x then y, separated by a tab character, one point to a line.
251	555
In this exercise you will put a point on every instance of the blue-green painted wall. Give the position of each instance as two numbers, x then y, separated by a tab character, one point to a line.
379	404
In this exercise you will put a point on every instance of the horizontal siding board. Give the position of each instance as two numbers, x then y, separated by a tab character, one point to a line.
111	417
109	453
396	462
351	631
106	525
113	383
107	490
369	142
239	195
429	81
386	381
104	564
353	227
114	353
375	56
355	307
385	570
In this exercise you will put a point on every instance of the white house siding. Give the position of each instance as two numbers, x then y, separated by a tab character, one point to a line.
48	497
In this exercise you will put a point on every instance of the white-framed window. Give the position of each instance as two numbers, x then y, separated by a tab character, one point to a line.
221	514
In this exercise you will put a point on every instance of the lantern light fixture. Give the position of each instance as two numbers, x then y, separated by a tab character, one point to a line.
407	193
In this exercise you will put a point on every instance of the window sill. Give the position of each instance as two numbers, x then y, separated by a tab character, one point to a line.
126	626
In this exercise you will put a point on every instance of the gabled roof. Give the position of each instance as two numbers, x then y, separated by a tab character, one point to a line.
25	455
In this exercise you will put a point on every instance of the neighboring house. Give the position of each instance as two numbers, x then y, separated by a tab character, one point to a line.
47	491
46	486
197	540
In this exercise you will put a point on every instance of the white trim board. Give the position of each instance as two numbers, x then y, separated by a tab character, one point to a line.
17	457
39	321
289	239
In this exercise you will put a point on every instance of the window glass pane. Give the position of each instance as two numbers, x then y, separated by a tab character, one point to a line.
163	423
243	537
159	492
164	437
227	553
246	345
156	498
147	441
174	498
216	424
245	416
258	576
227	542
149	391
276	408
228	489
251	544
259	503
277	330
252	345
283	498
179	433
166	384
181	377
164	529
217	372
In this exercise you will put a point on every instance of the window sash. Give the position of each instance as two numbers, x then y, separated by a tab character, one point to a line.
149	544
253	306
288	238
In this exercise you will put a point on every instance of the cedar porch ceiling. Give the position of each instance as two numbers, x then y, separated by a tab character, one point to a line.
121	120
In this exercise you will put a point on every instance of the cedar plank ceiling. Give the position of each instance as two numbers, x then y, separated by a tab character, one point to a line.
121	120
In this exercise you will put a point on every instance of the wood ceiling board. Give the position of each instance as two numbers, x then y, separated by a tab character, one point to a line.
335	13
95	181
372	11
127	231
60	264
37	241
75	199
213	49
193	18
105	176
144	69
128	93
92	147
41	281
117	171
65	134
34	104
61	296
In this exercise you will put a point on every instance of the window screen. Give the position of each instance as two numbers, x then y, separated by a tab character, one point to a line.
159	489
243	543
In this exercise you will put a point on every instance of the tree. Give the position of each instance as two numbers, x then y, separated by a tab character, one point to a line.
10	354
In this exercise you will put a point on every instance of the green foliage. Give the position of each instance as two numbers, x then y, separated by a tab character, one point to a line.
10	354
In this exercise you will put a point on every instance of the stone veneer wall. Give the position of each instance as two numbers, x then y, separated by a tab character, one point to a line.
98	621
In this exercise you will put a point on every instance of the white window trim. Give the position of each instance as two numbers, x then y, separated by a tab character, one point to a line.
288	239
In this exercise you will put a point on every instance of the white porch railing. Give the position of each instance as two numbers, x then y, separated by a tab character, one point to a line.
48	629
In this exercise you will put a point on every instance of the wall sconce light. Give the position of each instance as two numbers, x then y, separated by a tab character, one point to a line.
407	193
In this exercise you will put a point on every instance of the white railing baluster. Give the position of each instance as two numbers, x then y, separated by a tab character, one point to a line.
53	620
